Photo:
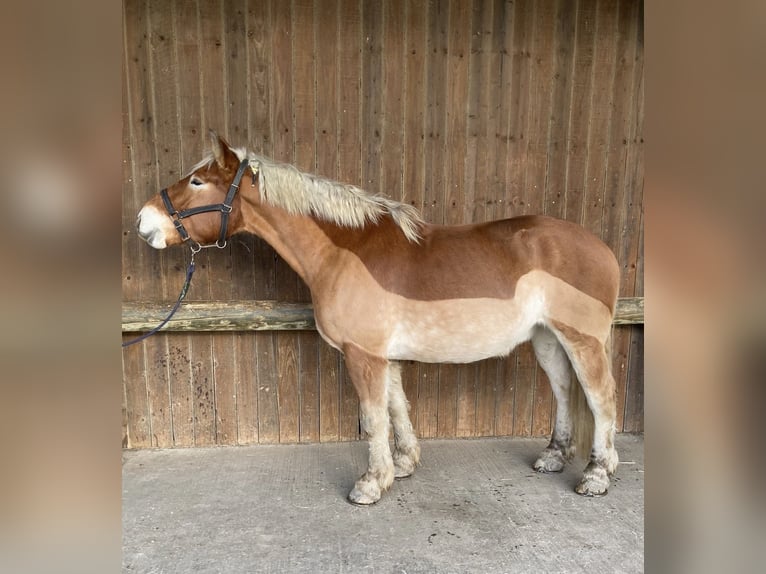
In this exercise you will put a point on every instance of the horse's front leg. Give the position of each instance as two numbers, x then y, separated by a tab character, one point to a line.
369	374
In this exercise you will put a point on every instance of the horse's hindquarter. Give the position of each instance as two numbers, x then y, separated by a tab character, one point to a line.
465	293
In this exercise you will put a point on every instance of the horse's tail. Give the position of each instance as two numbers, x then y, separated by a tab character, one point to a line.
582	416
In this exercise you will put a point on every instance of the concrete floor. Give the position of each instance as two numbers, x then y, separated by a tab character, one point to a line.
472	506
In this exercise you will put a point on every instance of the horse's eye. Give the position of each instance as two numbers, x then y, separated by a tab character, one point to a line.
196	182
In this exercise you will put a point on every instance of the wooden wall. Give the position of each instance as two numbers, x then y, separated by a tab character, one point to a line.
470	110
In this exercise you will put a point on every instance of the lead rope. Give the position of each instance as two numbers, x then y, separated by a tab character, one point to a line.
184	289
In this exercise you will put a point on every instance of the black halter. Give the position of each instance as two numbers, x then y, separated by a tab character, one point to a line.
224	208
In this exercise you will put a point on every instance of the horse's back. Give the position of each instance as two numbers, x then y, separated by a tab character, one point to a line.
491	257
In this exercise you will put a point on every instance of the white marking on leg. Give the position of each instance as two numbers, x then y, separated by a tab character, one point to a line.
380	470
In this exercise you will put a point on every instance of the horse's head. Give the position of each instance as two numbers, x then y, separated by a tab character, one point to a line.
203	207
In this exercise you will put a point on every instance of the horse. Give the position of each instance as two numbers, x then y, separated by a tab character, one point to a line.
387	286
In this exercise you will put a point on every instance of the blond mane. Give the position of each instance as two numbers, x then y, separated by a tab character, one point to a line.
300	193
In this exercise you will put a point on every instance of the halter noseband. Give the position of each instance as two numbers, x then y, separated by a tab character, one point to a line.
224	208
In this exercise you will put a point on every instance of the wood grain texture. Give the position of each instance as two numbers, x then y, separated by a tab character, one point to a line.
470	110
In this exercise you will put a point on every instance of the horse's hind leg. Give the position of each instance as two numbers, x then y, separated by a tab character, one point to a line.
553	360
406	448
369	374
590	361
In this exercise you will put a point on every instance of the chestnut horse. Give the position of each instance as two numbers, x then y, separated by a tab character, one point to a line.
387	286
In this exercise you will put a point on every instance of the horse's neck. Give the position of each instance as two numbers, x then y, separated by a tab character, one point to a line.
296	238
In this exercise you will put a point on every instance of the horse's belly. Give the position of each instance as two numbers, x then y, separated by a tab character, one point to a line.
462	330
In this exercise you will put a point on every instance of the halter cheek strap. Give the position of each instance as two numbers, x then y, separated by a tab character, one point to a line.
225	209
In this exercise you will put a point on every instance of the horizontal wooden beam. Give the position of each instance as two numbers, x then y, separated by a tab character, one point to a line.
269	315
629	311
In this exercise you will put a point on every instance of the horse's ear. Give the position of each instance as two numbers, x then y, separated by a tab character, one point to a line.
219	148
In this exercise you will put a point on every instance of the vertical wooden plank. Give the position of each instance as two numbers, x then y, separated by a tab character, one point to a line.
630	247
192	131
137	425
263	20
283	116
287	281
435	192
633	420
212	354
420	391
258	49
326	47
604	58
634	396
483	111
436	92
349	161
548	40
234	401
523	100
306	383
168	79
329	394
579	117
634	399
268	402
500	89
162	99
213	98
616	199
392	89
297	55
372	96
146	180
486	375
308	375
477	113
288	392
410	380
257	360
427	411
504	407
191	138
504	18
463	126
247	389
561	106
457	194
225	379
519	107
203	389
523	403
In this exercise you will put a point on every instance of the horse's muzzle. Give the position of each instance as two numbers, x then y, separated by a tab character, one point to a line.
149	225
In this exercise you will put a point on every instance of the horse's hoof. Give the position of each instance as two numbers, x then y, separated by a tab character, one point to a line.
359	498
595	482
365	492
404	466
550	461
